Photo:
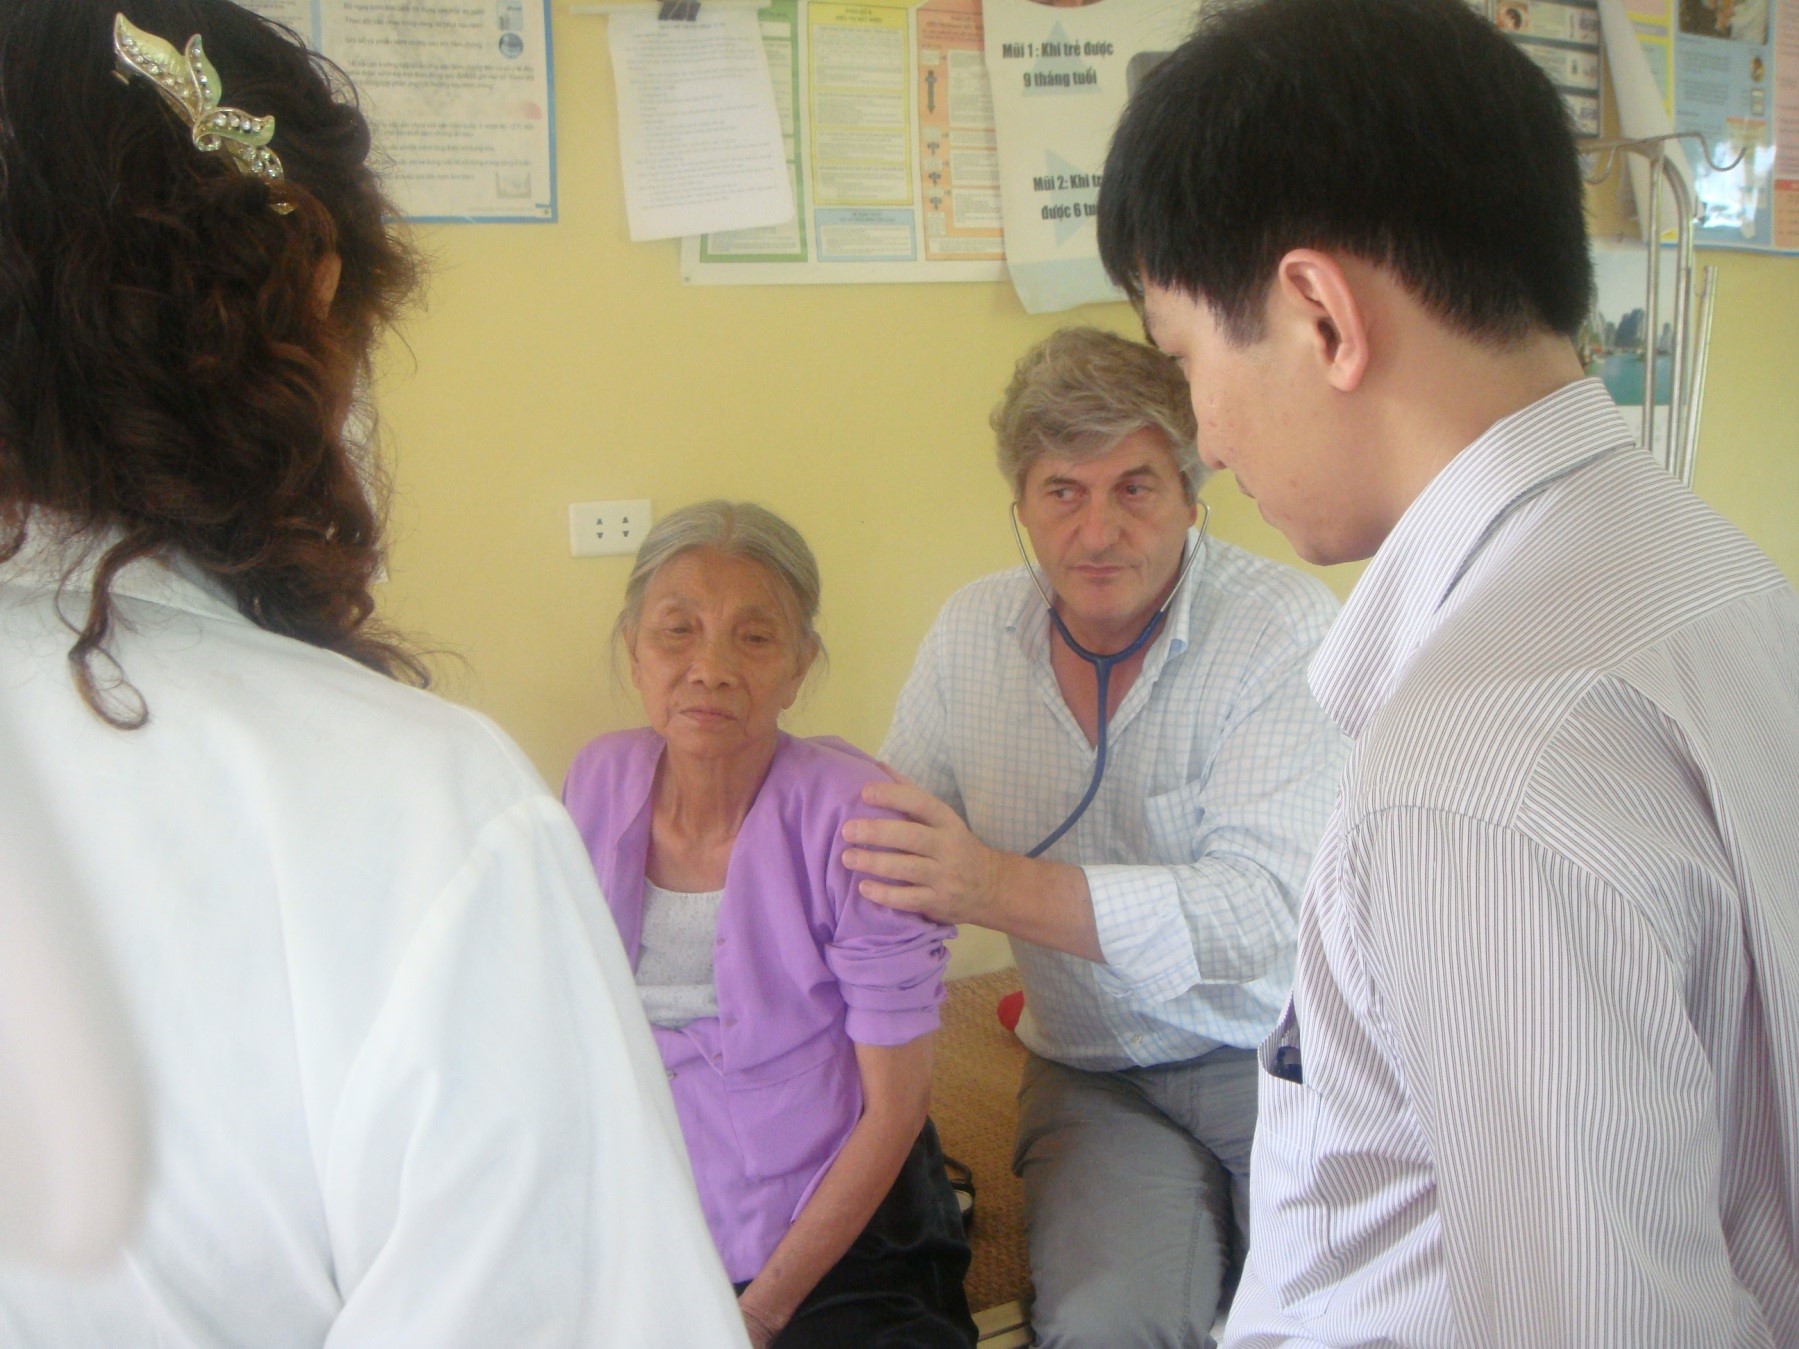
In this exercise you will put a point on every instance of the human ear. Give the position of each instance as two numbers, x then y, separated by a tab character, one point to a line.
801	668
1312	290
631	659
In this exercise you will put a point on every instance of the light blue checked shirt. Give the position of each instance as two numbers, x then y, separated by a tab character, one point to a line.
1218	785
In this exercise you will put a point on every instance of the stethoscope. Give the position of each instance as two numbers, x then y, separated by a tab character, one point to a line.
1102	665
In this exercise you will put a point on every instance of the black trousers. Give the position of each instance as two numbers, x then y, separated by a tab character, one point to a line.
899	1286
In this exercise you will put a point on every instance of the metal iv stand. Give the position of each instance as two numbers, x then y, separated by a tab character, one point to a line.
1694	291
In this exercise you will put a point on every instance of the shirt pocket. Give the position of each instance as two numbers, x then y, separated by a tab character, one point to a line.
1289	1220
1171	822
792	1121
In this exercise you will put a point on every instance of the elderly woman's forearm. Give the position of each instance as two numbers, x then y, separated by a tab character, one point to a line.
896	1088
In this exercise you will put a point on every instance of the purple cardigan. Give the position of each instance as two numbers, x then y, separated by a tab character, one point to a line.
804	965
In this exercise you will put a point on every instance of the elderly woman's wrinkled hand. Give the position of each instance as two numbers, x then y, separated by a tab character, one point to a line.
928	863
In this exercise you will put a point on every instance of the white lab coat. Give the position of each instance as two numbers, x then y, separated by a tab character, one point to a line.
401	1090
72	1136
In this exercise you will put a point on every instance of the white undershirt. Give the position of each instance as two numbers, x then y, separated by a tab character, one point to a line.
674	962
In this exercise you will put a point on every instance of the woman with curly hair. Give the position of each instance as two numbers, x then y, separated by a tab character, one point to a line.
400	1092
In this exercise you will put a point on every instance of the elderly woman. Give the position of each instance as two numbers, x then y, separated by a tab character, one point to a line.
794	1017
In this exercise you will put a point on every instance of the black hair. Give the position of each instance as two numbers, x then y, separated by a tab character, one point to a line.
1408	133
170	378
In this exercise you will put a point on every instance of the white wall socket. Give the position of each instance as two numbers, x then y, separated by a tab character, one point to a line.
602	528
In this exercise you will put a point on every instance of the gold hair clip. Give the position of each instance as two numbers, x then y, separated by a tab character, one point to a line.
190	85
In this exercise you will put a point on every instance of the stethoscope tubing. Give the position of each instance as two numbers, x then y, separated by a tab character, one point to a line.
1102	668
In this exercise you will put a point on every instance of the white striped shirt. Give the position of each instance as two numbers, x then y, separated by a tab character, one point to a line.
1218	783
1547	997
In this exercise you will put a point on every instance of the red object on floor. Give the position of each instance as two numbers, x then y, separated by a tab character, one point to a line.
1010	1008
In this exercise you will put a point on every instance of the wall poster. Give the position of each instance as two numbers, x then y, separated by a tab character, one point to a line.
459	93
887	121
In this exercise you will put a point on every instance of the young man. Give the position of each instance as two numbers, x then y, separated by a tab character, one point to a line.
1155	936
1539	1080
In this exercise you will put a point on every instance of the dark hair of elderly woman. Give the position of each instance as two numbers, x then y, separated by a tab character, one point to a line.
178	376
794	1017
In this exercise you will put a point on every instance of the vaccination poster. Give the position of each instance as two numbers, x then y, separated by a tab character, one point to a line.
1061	75
459	94
887	123
1729	70
958	152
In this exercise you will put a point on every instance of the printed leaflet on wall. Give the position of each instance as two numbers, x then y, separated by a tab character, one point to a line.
698	135
887	126
1061	77
458	93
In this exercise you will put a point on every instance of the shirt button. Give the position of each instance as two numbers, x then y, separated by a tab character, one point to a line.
671	1074
730	1021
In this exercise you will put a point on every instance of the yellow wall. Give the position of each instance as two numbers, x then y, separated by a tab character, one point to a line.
560	363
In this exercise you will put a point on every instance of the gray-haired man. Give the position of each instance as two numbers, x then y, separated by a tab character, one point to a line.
1155	936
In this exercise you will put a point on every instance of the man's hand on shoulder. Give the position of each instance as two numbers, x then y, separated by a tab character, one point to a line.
929	863
932	863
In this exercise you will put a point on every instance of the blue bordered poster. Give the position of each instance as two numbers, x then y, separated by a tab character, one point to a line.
460	94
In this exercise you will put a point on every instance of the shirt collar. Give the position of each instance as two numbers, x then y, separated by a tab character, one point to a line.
1030	625
1397	603
59	560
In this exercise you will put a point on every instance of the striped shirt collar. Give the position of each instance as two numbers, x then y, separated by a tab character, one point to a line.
1397	603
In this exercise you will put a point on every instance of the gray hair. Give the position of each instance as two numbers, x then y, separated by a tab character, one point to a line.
1082	390
737	529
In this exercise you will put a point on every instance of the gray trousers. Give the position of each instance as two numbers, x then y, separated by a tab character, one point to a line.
1136	1197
